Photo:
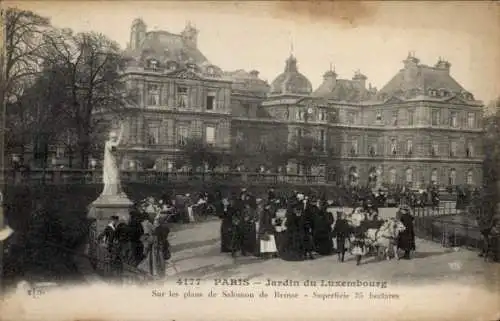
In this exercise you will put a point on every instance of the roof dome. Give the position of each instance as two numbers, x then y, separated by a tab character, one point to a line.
291	81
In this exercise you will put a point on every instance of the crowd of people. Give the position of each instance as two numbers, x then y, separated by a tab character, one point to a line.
292	227
299	227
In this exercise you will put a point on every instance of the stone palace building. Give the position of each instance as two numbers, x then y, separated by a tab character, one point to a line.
421	128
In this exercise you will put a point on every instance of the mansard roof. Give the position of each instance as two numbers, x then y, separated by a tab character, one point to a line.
247	81
166	46
342	90
419	80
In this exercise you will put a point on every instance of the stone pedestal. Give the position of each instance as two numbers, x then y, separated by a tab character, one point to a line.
100	212
106	206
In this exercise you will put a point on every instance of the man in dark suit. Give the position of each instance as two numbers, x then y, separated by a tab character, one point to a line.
108	235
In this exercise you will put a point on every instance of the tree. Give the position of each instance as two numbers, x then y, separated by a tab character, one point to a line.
19	66
307	150
23	49
89	64
198	153
38	116
491	163
274	154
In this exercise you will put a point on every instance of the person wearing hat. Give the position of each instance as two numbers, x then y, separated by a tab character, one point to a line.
107	236
341	233
322	228
406	239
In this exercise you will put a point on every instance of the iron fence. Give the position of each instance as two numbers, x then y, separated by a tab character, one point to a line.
82	176
447	225
106	265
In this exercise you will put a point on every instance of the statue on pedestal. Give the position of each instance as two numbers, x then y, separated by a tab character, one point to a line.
113	200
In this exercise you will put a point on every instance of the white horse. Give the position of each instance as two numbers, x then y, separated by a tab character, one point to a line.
385	238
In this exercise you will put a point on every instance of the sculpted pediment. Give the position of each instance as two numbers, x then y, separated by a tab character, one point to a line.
312	102
393	100
185	74
455	100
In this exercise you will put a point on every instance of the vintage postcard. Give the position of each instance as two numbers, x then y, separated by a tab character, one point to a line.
276	160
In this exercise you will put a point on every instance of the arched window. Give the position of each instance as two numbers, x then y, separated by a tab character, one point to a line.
470	177
434	176
392	176
452	180
409	175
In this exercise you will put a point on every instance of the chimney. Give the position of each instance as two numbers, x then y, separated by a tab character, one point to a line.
254	73
330	76
360	79
411	66
443	64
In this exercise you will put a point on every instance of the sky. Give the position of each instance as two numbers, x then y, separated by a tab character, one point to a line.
372	37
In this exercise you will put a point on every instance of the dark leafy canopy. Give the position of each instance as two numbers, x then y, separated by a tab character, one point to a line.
56	83
23	48
89	65
492	159
20	68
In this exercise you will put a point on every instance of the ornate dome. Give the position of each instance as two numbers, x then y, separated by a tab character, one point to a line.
291	81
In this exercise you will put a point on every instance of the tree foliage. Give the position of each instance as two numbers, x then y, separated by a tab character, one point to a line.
198	153
491	165
56	81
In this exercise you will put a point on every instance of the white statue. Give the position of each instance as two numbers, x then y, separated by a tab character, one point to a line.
110	170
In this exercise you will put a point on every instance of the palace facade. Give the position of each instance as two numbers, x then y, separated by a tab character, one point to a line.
421	128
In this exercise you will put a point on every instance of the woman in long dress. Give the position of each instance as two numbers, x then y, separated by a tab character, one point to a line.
225	228
322	232
406	239
267	241
295	249
156	245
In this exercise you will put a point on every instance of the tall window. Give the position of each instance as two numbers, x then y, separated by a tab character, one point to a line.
411	116
409	147
470	177
378	116
60	151
453	119
395	115
394	146
211	101
246	109
322	115
182	135
434	149
322	140
153	95
210	135
469	150
299	132
182	97
153	134
434	176
471	120
354	147
392	176
351	117
435	119
409	175
373	150
453	149
452	180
